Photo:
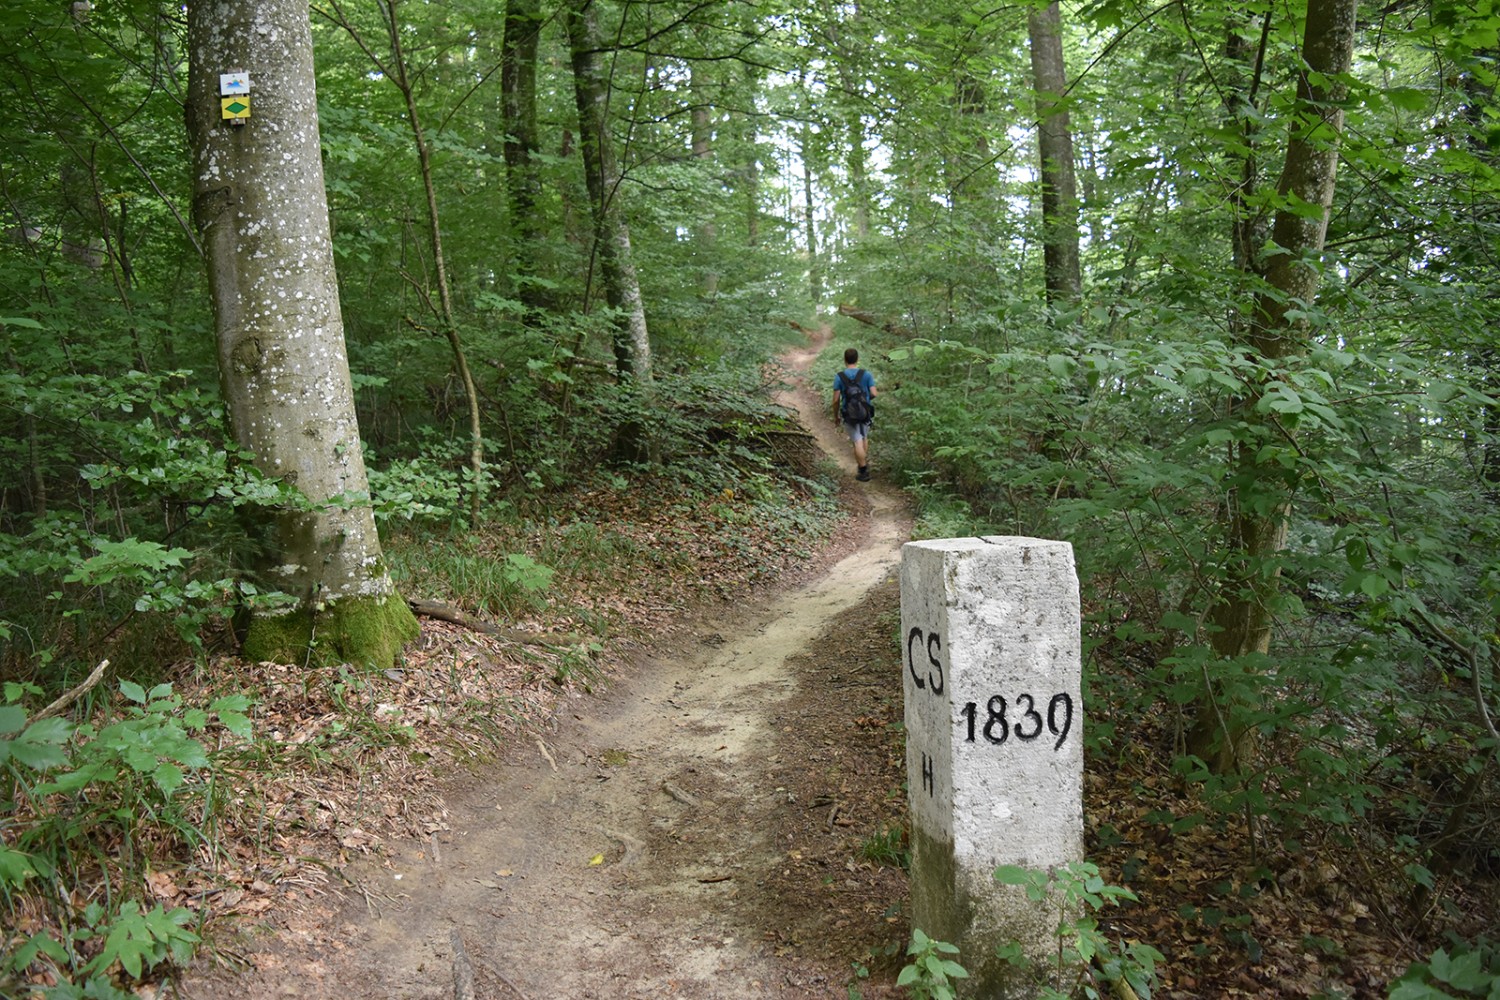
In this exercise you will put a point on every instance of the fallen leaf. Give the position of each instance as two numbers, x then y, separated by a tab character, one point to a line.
162	886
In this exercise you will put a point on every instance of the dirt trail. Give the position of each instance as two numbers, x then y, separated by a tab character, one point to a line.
629	853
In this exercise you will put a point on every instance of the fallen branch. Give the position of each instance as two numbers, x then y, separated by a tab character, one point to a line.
463	971
543	748
446	613
57	707
870	319
688	800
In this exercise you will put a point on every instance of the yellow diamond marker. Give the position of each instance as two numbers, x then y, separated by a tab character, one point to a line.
235	107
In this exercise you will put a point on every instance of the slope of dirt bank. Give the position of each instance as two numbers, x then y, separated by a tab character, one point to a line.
698	830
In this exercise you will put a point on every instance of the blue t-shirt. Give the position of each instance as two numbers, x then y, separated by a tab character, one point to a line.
865	379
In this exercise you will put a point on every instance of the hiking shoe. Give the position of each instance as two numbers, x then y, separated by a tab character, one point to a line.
864	474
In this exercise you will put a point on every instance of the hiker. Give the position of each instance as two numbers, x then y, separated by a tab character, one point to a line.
854	404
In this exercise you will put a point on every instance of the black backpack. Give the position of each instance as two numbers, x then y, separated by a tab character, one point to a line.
854	400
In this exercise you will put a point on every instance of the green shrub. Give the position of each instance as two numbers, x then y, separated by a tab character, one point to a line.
1470	969
80	800
1086	960
929	975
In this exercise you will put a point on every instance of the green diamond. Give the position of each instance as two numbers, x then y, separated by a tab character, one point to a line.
237	107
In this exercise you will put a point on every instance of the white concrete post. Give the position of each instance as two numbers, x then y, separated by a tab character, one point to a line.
992	639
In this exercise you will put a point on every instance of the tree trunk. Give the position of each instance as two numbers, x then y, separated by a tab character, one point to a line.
1059	182
1255	524
622	289
399	75
751	169
1249	226
703	154
397	72
1477	108
859	176
261	210
523	25
814	267
852	51
81	224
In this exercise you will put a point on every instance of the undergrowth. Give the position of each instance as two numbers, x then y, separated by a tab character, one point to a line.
1369	720
121	830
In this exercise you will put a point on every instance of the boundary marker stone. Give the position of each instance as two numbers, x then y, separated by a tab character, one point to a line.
991	661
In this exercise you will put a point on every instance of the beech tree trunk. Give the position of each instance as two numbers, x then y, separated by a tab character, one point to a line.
703	153
523	25
1255	523
1248	234
814	266
750	170
853	51
1059	181
395	69
859	176
622	289
260	207
398	73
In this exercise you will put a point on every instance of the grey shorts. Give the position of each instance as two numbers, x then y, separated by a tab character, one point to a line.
857	432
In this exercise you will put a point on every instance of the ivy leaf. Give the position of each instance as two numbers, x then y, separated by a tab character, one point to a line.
1013	875
1303	208
230	703
1421	876
1167	385
1186	624
39	747
1441	391
38	944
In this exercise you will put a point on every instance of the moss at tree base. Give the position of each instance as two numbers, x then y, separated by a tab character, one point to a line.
368	631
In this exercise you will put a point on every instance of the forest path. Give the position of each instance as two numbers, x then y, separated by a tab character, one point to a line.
629	853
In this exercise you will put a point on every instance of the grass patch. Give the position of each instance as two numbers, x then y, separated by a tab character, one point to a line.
887	846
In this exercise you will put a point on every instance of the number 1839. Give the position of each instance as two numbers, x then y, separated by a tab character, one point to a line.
1000	720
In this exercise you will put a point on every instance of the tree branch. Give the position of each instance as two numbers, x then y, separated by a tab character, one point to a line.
58	706
1470	655
447	613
